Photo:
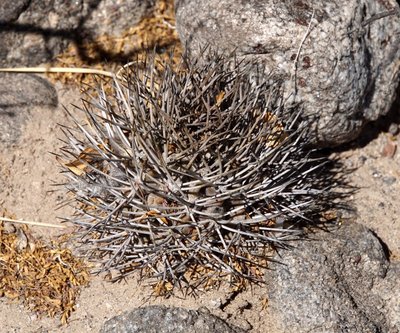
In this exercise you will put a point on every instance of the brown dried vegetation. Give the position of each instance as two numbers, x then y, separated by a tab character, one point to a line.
46	278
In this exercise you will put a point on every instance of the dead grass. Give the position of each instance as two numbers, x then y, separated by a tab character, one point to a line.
47	279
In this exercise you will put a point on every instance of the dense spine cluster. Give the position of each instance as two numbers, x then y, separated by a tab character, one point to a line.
190	174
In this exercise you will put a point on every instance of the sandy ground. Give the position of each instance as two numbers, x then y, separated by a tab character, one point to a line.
28	172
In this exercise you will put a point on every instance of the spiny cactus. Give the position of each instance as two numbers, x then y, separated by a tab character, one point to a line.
191	174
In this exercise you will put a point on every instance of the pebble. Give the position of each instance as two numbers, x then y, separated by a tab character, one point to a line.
216	303
389	180
362	159
393	129
376	174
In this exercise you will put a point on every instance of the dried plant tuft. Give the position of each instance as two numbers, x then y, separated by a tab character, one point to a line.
191	174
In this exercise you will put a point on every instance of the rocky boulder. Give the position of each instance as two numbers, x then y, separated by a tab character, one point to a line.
161	319
34	32
338	281
339	58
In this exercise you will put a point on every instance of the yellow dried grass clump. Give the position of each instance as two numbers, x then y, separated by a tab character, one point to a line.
47	279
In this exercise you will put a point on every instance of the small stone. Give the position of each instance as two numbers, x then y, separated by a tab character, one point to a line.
216	303
389	150
362	159
393	129
376	174
22	241
389	180
8	228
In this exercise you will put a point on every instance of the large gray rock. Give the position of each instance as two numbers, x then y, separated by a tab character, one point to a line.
345	69
18	94
34	32
161	319
335	282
